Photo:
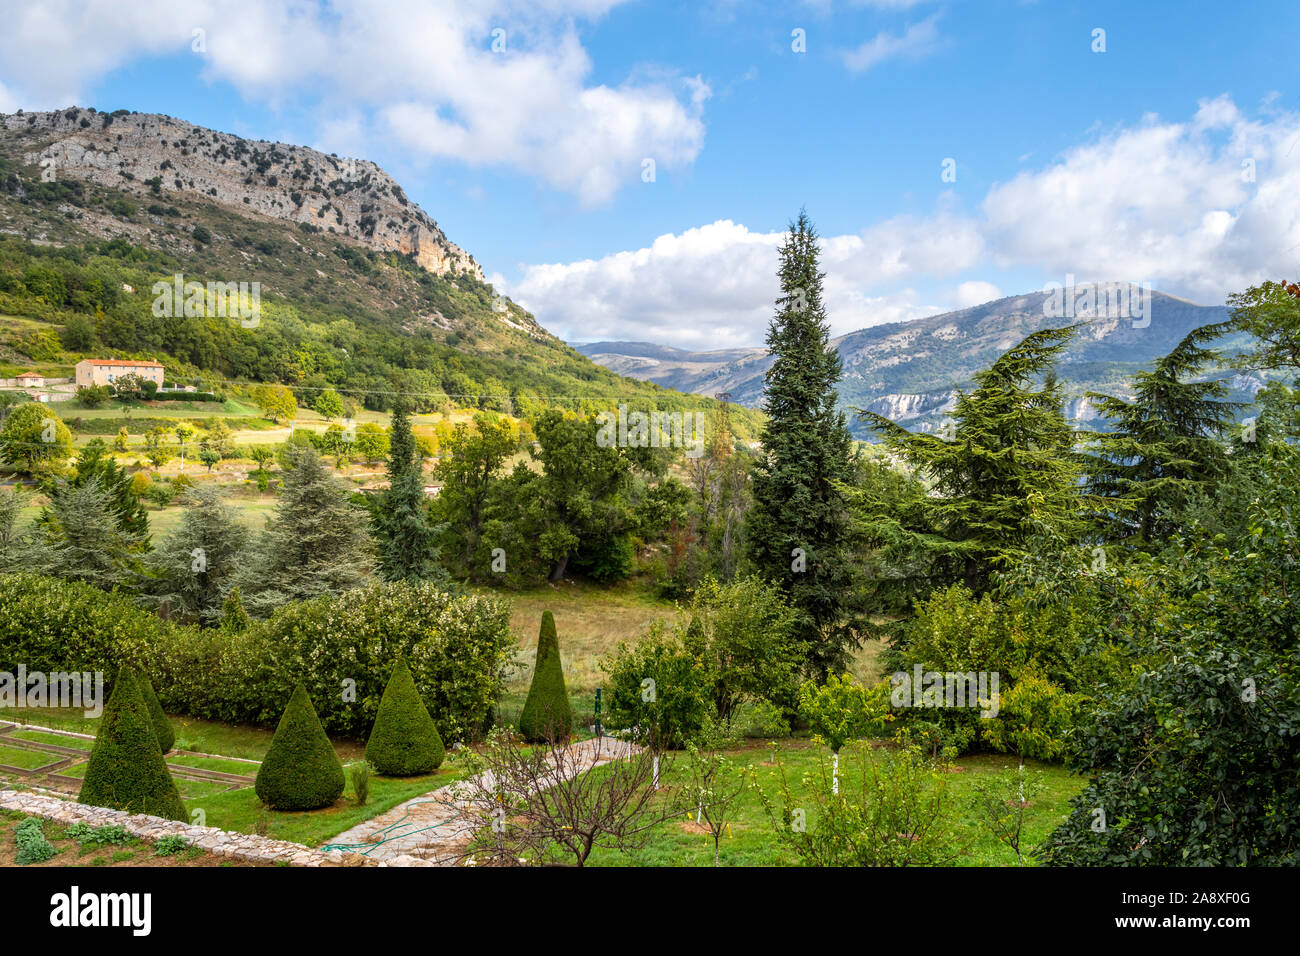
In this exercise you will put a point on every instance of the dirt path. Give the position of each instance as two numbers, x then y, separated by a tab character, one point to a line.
437	826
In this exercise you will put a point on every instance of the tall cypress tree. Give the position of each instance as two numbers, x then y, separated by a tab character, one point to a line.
797	528
400	521
1165	445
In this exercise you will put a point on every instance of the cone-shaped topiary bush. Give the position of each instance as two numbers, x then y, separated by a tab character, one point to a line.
546	711
404	740
162	727
301	771
126	769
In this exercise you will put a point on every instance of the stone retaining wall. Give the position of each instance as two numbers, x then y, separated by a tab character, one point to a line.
239	846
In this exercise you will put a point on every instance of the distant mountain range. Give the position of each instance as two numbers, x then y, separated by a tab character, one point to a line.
911	371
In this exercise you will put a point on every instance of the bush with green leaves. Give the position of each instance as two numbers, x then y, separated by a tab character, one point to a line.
360	777
404	741
657	689
110	834
300	771
1193	757
126	769
170	845
547	714
34	440
891	808
1023	632
841	710
732	645
33	847
458	648
1035	718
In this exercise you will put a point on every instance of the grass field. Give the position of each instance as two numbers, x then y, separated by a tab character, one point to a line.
752	841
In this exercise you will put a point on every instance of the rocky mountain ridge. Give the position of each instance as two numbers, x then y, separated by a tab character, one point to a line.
155	155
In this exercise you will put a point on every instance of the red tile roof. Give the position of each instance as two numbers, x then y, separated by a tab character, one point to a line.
149	364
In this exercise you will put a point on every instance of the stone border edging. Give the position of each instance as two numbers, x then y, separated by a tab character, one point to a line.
239	846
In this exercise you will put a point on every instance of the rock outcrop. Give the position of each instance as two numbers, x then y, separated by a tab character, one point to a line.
151	154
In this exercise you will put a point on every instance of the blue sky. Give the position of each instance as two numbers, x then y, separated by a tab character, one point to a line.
1122	164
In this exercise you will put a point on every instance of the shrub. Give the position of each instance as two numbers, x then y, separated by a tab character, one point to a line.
893	809
659	688
1034	719
93	396
32	845
170	846
546	714
110	834
840	710
404	741
301	771
457	648
161	725
360	777
126	769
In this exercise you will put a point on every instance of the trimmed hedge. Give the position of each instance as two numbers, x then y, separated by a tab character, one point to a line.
546	712
457	648
300	771
162	727
404	741
126	769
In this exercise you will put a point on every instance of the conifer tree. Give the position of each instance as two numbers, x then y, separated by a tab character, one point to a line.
300	771
192	566
404	740
126	769
80	539
404	533
1008	472
95	461
315	545
1165	445
547	714
161	725
797	528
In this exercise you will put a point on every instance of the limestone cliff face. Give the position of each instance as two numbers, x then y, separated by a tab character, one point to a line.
137	152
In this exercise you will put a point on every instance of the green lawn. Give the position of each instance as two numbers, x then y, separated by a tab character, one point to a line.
40	737
752	842
242	811
26	759
204	736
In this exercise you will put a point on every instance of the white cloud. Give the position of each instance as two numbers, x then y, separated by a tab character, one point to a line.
975	293
1165	202
917	40
424	73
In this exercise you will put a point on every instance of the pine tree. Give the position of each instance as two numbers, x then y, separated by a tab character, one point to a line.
300	771
94	461
404	740
1165	444
126	769
404	533
547	714
192	565
80	538
162	727
797	528
1008	472
315	545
